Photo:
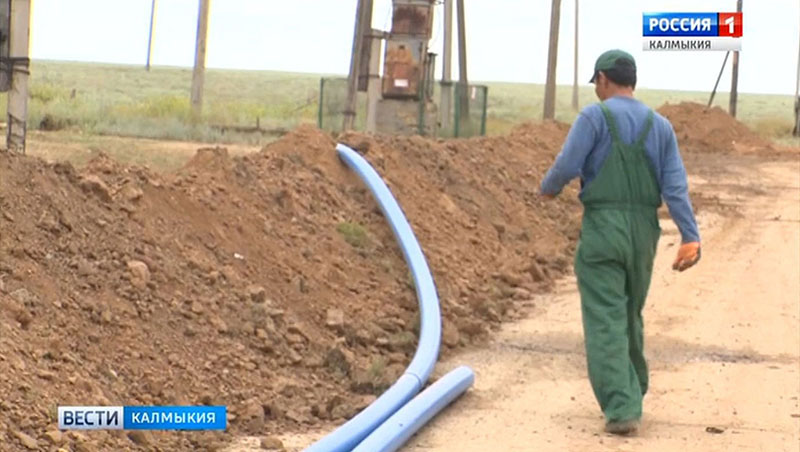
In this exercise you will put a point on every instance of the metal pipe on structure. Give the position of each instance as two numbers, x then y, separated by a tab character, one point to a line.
19	58
198	76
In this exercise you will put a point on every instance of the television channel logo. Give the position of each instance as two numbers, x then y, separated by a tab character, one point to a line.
692	31
142	417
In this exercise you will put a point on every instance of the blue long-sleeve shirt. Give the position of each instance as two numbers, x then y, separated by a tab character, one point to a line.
589	143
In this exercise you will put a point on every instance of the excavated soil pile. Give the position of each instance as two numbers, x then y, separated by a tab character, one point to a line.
701	129
268	283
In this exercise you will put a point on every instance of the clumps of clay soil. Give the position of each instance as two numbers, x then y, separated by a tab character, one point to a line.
269	283
702	129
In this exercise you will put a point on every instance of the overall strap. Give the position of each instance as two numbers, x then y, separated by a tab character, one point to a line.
647	126
612	126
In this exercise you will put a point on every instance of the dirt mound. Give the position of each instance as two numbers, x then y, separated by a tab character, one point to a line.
704	129
268	283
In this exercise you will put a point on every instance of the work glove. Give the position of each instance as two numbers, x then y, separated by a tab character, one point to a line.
688	255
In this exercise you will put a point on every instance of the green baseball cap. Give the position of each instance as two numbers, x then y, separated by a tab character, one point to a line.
613	59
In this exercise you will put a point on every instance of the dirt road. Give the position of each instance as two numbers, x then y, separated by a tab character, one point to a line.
723	341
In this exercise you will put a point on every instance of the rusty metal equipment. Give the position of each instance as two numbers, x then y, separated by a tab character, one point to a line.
413	18
406	55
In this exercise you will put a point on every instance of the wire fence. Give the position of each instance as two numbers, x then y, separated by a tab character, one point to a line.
463	116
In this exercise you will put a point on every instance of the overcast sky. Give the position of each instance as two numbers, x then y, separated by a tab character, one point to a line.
506	39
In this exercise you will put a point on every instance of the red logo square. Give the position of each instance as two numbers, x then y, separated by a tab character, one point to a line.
730	24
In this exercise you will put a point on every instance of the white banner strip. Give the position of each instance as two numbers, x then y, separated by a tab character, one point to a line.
682	43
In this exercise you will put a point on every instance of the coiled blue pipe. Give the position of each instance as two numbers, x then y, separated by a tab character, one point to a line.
347	436
401	425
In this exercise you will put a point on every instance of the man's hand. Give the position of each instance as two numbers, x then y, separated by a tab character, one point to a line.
688	255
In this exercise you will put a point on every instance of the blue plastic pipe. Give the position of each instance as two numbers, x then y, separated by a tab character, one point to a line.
347	436
405	422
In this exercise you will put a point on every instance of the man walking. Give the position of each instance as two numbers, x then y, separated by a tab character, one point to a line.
627	158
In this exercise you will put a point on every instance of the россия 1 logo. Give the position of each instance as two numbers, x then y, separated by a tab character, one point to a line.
692	31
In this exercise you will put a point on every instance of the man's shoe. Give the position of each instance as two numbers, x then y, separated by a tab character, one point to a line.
624	428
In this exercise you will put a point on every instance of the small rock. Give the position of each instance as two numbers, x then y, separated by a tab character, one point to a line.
404	341
213	276
294	357
197	308
27	441
139	274
24	318
336	360
230	274
521	294
219	324
131	193
46	375
450	334
298	417
77	436
388	324
85	269
335	319
55	437
473	328
536	272
95	185
365	401
276	313
296	329
251	409
141	437
511	279
24	296
271	443
341	411
257	294
106	316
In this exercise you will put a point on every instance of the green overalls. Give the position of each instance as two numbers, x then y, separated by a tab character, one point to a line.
614	263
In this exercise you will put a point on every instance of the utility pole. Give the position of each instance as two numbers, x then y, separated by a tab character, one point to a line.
575	75
198	77
355	64
19	58
796	131
150	35
463	81
552	56
735	74
447	66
